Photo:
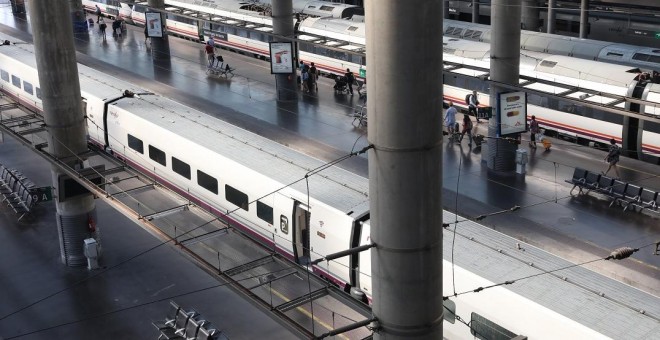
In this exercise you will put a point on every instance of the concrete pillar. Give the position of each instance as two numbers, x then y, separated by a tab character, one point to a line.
445	9
62	102
530	15
475	11
550	24
283	25
17	6
405	173
160	47
78	19
584	19
504	68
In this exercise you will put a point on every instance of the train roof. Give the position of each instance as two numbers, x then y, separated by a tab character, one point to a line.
335	187
558	44
341	29
105	87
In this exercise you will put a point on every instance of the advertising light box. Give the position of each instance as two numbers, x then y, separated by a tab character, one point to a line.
512	113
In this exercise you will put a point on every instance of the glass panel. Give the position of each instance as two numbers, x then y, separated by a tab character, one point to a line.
27	87
157	155
180	167
135	144
207	182
265	212
236	197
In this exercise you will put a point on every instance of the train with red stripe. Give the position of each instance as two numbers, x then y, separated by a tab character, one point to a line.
339	44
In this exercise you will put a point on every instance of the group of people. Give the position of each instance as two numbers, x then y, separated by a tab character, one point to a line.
118	24
309	76
612	157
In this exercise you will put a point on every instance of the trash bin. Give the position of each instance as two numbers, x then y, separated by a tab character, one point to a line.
521	161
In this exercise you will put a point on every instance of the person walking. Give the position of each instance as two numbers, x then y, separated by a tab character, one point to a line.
473	104
210	54
98	13
350	79
612	158
102	27
467	128
533	130
450	120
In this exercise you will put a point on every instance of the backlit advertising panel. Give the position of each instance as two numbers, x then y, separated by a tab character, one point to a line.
512	113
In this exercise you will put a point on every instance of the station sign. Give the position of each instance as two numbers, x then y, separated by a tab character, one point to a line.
281	58
512	109
43	194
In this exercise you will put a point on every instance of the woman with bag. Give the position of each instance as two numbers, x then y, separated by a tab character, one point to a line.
467	128
534	130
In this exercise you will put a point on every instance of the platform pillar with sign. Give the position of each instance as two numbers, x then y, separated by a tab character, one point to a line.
64	120
156	29
283	58
510	110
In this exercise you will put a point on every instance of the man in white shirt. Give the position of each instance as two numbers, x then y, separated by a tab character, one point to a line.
450	120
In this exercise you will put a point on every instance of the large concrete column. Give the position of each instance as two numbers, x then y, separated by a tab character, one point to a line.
584	19
530	15
475	11
17	6
405	174
550	22
504	68
283	25
62	102
160	47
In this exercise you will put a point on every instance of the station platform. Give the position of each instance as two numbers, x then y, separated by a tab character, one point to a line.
575	228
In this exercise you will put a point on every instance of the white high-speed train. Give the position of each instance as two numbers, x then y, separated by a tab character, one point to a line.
616	53
225	168
640	138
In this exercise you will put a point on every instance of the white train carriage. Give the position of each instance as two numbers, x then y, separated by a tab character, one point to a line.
114	9
625	54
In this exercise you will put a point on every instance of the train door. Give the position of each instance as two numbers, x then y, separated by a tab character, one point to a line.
631	126
301	237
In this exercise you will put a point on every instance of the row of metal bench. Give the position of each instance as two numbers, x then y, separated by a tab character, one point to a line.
627	195
15	190
188	325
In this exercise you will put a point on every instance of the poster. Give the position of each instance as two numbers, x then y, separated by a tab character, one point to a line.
154	24
281	58
512	112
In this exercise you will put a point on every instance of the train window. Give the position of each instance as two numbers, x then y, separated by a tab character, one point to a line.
327	8
16	81
38	92
180	167
265	212
484	329
157	155
27	87
641	56
241	33
450	311
4	75
236	197
135	144
207	182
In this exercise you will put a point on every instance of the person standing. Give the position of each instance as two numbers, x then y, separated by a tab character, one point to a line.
210	54
102	27
350	79
467	128
533	130
450	120
473	104
304	76
613	157
313	77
